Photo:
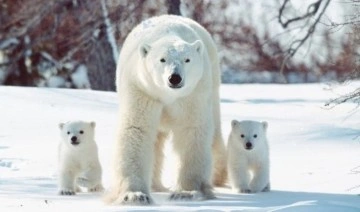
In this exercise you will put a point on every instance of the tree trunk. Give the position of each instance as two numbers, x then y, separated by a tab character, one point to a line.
174	7
101	64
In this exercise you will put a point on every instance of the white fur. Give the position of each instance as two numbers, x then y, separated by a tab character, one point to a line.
151	110
248	169
78	164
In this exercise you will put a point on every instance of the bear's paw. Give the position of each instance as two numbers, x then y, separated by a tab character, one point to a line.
186	196
67	192
135	198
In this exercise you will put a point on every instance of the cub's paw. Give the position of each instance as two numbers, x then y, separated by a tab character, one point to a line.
78	189
136	198
267	188
185	196
98	188
245	191
66	192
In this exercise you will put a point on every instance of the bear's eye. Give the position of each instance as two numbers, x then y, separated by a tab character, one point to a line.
187	60
68	133
242	135
162	60
255	136
81	132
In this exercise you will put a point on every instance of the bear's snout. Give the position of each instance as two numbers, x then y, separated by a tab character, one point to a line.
175	81
74	140
248	145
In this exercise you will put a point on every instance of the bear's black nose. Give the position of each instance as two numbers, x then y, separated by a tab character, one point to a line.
248	145
175	80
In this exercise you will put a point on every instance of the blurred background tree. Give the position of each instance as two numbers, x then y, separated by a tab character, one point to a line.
75	43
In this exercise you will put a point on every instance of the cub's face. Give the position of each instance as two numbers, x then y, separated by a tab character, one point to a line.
249	134
77	133
174	66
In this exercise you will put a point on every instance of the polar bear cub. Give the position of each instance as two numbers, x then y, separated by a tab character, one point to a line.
78	158
248	157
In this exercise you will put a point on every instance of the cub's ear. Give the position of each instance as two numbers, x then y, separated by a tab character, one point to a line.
92	124
199	46
144	50
234	123
265	125
61	126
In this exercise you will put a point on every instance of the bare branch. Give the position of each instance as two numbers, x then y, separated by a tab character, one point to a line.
311	11
353	96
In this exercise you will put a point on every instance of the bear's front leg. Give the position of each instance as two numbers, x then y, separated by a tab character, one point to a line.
193	146
133	161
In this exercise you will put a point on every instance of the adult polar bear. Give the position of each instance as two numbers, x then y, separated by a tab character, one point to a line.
168	84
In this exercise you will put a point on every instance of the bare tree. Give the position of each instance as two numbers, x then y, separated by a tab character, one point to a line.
46	40
314	11
63	30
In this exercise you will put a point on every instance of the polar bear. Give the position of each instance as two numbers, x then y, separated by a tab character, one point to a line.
168	86
78	158
248	157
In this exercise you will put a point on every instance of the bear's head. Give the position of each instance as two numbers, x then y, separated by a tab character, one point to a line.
249	134
174	66
77	133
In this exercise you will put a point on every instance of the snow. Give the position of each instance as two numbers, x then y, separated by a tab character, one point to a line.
109	31
56	82
80	77
314	151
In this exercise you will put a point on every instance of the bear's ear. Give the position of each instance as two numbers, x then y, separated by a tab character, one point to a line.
92	124
234	123
199	46
61	126
265	125
144	50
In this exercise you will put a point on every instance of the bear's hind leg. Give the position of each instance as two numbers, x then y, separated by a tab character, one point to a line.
91	179
157	185
219	174
92	186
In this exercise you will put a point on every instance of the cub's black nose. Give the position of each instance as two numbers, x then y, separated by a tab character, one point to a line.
74	139
248	145
175	80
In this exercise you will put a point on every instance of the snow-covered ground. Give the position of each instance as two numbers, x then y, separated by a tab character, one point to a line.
315	164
